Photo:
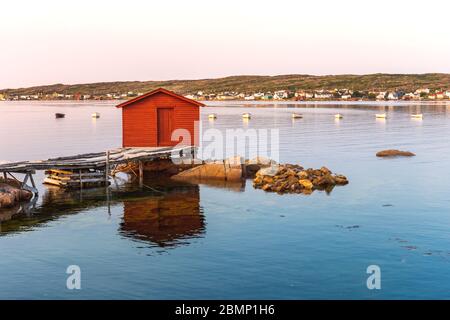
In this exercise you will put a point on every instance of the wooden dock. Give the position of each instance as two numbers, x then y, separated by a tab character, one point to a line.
103	161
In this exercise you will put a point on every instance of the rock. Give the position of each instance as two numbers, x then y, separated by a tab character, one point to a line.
25	195
289	178
340	180
306	184
268	179
254	165
7	200
324	181
231	169
325	170
10	195
269	171
262	161
303	175
394	153
252	169
292	180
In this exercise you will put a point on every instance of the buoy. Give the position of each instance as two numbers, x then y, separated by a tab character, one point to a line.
297	116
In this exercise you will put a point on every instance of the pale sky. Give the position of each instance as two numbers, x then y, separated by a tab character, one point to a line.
46	42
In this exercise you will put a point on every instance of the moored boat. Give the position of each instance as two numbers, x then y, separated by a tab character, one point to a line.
338	116
96	115
246	115
381	115
59	115
212	116
417	116
297	116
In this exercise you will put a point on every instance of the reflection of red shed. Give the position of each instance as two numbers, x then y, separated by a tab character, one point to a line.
150	119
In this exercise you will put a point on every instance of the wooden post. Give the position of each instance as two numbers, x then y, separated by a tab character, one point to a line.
107	169
108	200
107	182
81	182
141	173
4	176
33	184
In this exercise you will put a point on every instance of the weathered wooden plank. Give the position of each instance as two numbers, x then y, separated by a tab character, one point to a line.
92	160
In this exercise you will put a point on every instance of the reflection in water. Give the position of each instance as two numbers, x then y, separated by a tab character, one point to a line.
165	216
236	186
165	220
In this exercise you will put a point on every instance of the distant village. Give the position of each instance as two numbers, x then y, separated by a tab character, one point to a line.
298	95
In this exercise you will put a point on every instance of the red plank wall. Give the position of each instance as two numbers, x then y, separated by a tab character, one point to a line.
139	119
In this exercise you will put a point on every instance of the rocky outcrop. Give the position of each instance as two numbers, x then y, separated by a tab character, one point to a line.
232	169
254	165
394	153
290	178
10	194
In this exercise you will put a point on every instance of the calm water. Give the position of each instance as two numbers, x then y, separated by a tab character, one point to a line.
232	241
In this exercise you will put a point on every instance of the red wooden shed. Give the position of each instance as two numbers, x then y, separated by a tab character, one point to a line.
150	119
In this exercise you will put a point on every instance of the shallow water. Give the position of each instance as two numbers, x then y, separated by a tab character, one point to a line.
232	241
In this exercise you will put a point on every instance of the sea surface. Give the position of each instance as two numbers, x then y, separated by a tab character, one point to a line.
231	241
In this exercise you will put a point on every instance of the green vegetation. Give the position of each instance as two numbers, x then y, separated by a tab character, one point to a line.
250	84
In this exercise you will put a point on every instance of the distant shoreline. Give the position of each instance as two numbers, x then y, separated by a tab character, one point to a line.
260	102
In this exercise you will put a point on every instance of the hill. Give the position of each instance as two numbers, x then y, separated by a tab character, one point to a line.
248	84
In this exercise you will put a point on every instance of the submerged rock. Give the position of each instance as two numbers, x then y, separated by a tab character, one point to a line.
394	153
289	178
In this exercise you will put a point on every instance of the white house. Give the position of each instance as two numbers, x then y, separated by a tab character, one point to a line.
280	94
323	95
422	90
440	95
392	96
381	95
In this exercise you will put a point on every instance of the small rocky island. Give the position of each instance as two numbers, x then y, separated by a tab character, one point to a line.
394	153
291	178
